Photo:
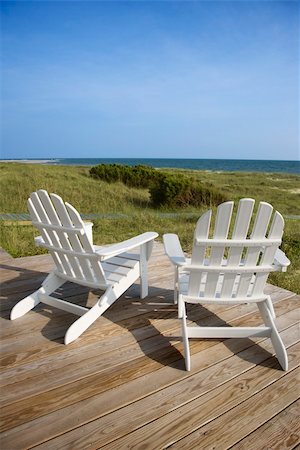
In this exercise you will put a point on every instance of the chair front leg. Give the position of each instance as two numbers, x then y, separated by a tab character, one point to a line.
145	252
185	336
275	337
271	307
176	286
181	307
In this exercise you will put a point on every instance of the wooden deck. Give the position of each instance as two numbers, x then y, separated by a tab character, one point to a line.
122	384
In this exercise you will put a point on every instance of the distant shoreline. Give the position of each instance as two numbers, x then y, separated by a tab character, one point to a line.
206	165
28	161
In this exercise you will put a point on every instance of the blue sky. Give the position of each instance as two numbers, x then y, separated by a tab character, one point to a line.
170	79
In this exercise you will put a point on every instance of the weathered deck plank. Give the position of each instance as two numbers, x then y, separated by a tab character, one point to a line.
122	384
283	431
241	420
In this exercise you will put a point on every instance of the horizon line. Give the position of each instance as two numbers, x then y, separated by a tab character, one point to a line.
135	157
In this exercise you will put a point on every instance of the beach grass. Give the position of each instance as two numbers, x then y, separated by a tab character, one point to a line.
88	195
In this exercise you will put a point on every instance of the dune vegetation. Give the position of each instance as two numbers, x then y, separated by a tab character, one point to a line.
128	210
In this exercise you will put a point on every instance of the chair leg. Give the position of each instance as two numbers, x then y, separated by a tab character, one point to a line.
185	339
180	307
275	337
85	321
50	284
271	307
143	271
176	281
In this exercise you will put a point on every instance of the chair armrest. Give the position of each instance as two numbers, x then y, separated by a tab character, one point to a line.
39	241
173	249
281	262
122	247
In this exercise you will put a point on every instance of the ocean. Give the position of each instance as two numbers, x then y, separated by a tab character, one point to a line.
226	165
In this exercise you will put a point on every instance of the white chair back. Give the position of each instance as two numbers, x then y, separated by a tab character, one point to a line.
230	264
65	236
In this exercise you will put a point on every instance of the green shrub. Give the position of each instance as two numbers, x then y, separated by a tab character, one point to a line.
136	176
179	190
165	189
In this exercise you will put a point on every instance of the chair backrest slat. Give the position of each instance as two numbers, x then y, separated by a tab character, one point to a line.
222	225
260	227
240	231
198	255
65	237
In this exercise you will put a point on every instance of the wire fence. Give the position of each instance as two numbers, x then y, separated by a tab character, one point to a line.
23	217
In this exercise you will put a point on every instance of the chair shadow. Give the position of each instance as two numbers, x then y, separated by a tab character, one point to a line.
155	345
57	325
161	350
157	306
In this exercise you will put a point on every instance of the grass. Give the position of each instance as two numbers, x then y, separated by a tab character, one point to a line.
88	195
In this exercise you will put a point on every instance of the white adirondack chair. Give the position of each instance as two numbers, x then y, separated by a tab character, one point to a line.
69	241
233	270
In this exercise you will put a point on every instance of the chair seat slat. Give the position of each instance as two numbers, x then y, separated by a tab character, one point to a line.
112	268
113	276
82	282
124	262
